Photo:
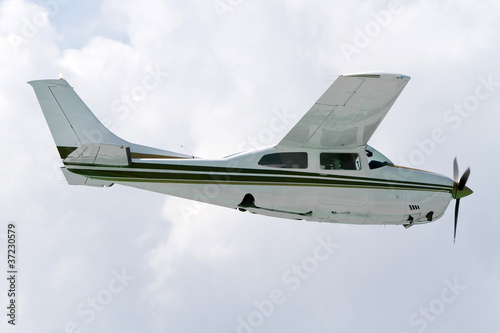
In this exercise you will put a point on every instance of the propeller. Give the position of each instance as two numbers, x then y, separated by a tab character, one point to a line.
459	191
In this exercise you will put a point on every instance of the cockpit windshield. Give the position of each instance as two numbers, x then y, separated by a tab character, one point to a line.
376	159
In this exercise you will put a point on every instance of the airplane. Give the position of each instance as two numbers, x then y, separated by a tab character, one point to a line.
323	170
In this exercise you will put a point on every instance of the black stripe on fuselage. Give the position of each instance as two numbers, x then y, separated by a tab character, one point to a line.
287	172
174	173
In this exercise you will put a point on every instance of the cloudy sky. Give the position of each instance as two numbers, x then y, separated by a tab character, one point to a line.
125	260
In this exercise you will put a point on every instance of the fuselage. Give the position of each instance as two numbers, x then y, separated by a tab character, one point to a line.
355	186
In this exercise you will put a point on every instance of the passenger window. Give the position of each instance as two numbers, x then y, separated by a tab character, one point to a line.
285	160
339	161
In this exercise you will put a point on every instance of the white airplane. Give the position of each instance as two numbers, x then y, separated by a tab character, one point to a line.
322	170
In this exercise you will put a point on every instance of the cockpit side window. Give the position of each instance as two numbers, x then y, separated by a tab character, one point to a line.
339	161
376	159
285	160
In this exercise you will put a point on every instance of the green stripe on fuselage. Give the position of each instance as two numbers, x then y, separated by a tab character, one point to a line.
145	172
198	168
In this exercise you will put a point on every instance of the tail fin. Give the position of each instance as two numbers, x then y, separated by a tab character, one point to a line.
72	124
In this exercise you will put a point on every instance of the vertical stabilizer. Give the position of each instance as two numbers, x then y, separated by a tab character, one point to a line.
70	121
72	124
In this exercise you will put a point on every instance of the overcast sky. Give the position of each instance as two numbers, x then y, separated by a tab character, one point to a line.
124	260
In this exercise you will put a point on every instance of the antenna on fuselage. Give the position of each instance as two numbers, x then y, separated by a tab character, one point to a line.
189	151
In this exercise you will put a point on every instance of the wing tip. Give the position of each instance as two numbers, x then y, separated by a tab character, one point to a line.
378	75
59	81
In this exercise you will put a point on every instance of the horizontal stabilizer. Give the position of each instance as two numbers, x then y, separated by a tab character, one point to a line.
74	179
100	155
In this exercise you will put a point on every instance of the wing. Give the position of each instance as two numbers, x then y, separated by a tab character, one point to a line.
348	112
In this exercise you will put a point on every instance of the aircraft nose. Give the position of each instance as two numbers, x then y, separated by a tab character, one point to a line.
458	194
465	192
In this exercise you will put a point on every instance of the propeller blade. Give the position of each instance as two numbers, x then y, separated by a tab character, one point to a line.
459	191
457	205
463	180
455	171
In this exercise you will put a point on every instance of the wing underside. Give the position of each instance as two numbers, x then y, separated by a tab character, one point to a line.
348	113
